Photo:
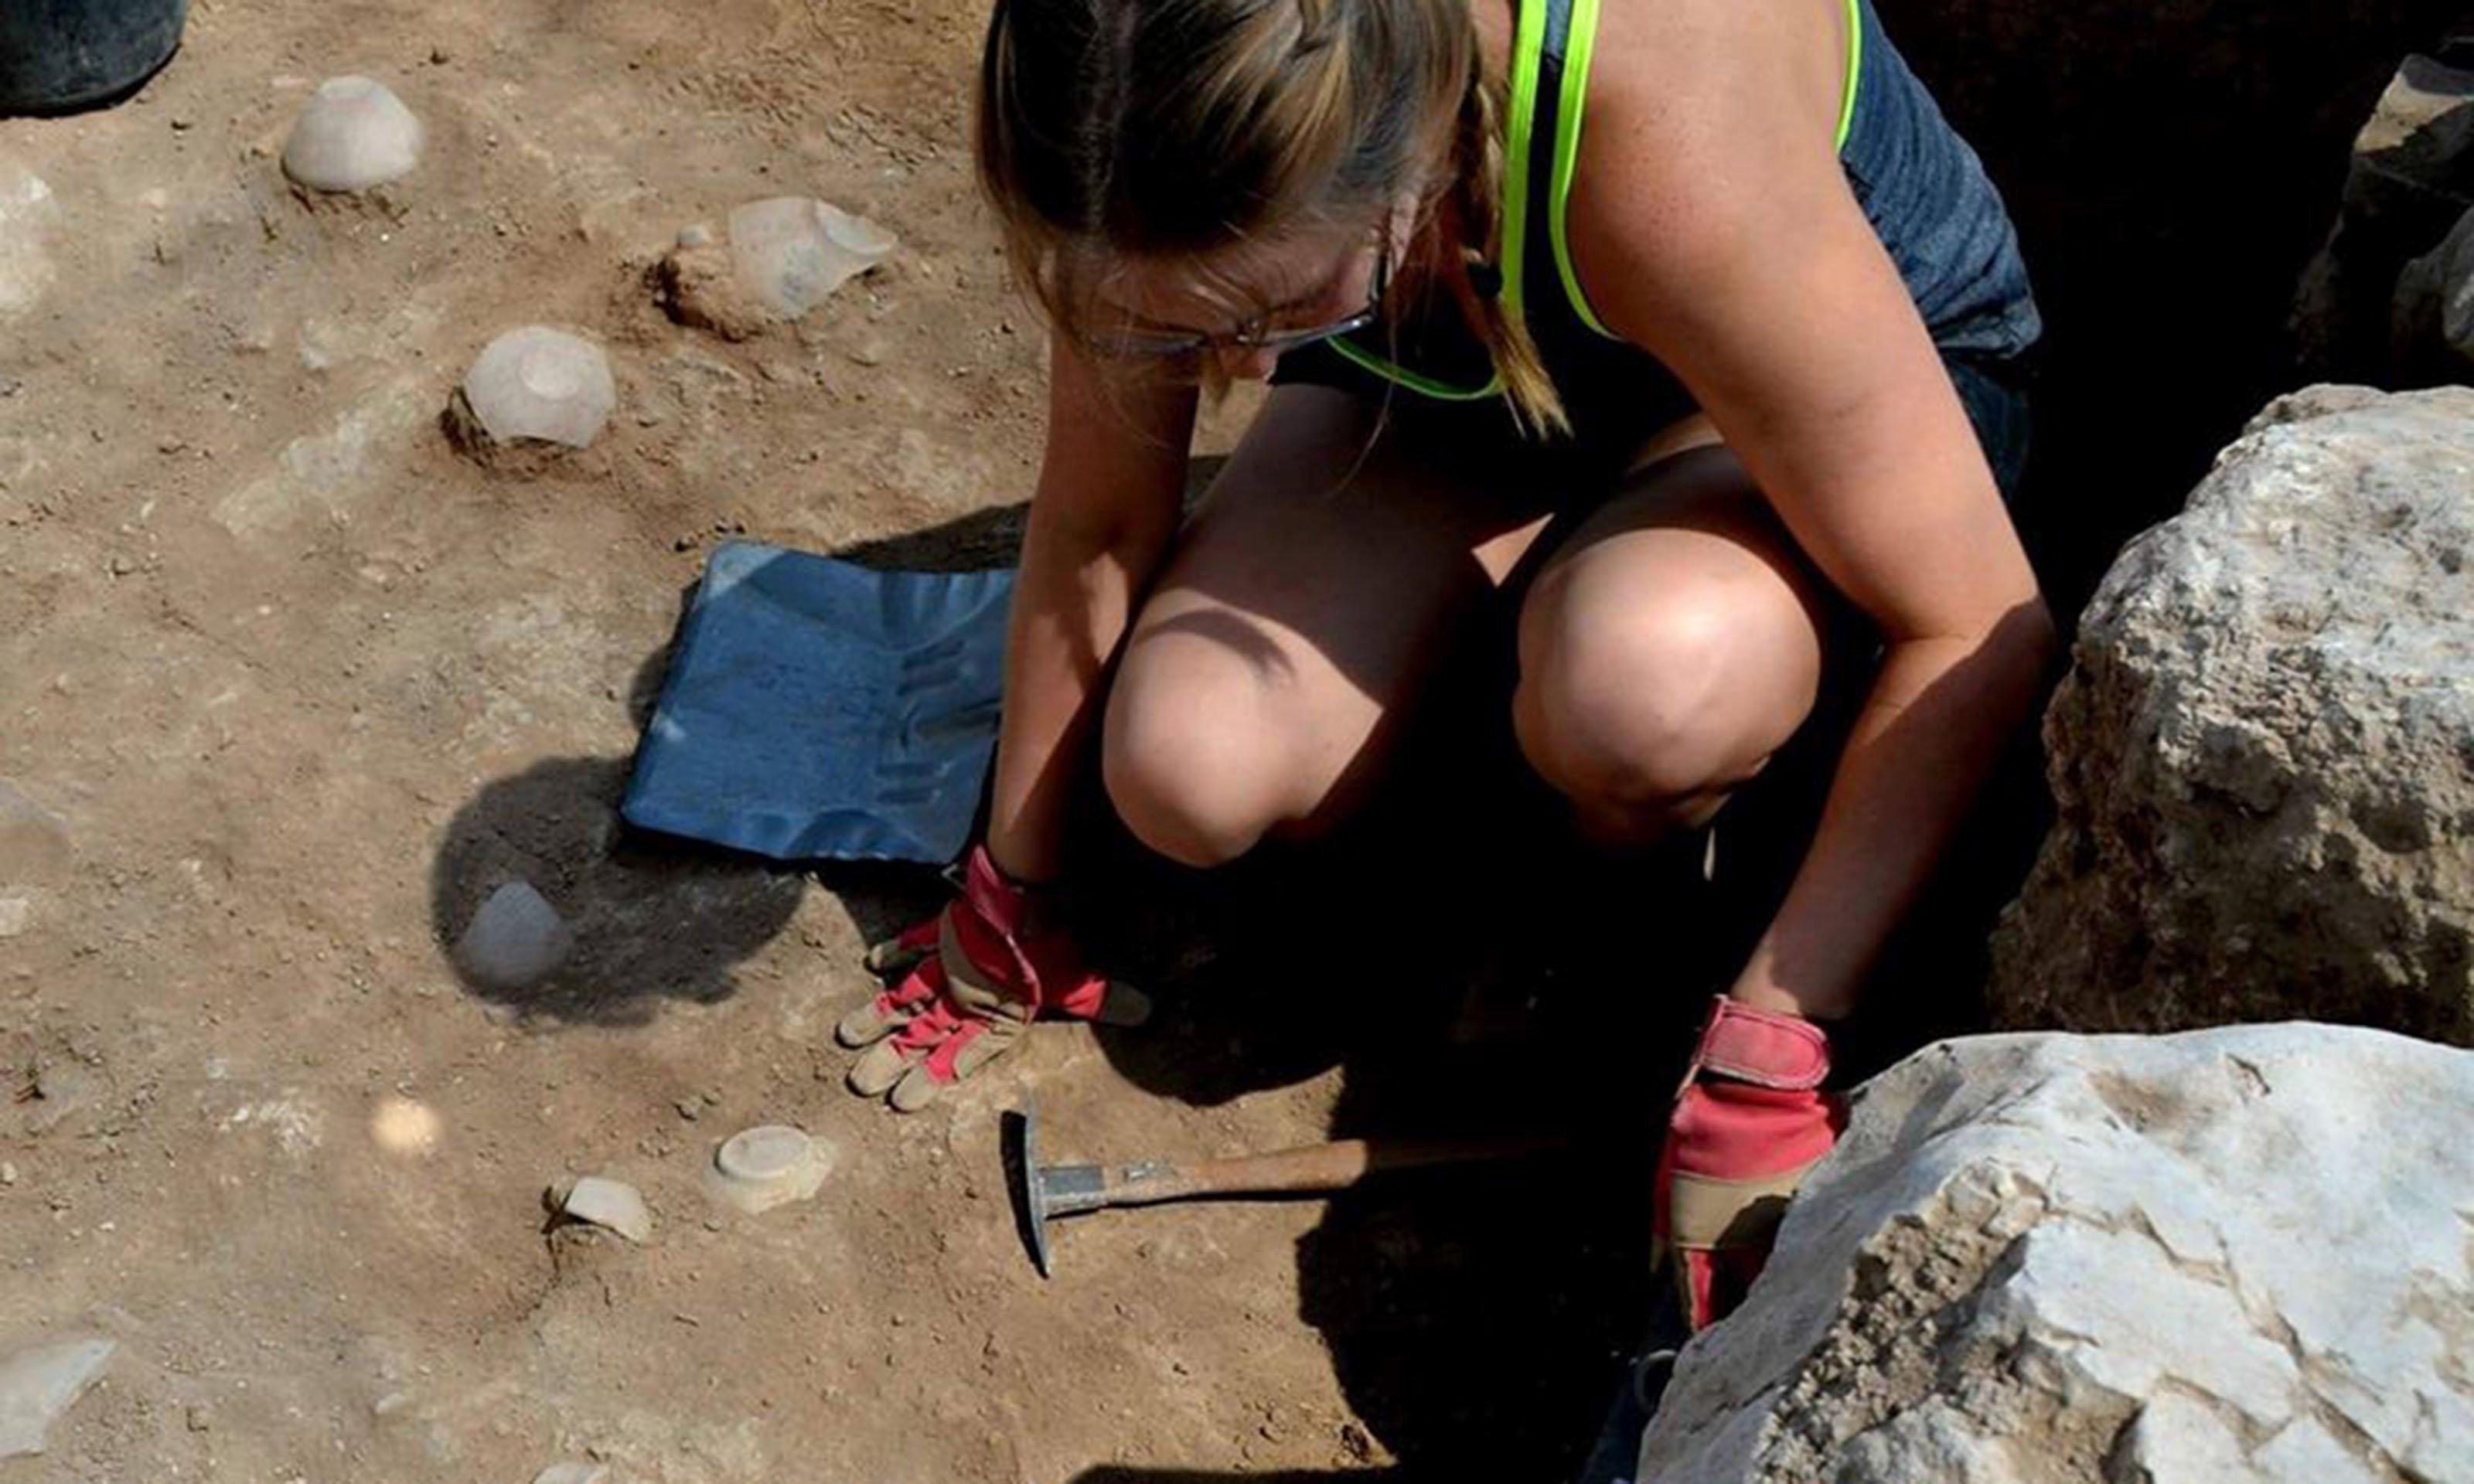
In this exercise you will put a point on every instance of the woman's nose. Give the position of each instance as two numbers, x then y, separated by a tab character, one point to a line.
1248	363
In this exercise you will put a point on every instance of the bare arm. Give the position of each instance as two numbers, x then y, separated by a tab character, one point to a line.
1738	254
1103	513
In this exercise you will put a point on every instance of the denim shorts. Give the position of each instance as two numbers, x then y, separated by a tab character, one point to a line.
1994	391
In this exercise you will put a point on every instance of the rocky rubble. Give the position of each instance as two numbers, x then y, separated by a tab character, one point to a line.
2227	1255
2360	315
2263	759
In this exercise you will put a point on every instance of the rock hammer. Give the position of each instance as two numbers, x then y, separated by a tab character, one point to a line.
1045	1191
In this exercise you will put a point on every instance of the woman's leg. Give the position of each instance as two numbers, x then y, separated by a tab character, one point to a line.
1320	584
1669	647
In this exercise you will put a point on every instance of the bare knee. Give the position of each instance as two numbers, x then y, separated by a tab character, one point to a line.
1188	760
1654	709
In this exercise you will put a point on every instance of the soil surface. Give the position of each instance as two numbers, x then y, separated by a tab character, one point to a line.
303	684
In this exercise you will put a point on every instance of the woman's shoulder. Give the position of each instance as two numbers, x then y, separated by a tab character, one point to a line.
1708	142
1699	74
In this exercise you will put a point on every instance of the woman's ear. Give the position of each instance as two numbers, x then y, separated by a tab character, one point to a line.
1410	211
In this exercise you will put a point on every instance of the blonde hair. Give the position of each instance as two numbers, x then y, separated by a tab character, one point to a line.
1186	130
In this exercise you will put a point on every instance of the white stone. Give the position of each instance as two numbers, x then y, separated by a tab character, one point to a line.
541	383
771	1164
353	133
17	913
790	251
34	841
515	941
609	1203
28	215
2263	759
1978	1284
38	1385
573	1472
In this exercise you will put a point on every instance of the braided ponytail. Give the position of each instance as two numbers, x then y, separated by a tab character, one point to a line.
1526	384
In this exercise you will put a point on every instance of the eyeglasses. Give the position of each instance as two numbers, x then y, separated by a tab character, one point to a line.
1253	333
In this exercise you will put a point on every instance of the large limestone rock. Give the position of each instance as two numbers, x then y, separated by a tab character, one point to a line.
2263	759
2229	1256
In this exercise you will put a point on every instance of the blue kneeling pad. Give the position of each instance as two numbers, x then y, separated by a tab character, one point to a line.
817	710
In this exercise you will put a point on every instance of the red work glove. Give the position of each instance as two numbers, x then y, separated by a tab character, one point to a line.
978	974
1750	1122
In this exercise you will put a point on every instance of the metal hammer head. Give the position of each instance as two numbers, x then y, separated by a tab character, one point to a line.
1042	1192
1022	1172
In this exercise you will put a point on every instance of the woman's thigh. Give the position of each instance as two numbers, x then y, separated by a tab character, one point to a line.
1670	645
1331	568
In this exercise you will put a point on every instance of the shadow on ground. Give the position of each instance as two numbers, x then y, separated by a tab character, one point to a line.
653	918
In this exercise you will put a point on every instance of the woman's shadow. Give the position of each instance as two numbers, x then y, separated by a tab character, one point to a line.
1473	969
1475	1315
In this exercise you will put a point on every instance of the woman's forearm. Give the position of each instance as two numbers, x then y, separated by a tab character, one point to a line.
1939	715
1072	601
1102	517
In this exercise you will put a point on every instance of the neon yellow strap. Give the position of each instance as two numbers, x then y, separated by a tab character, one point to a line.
1854	72
1579	43
1425	385
1528	43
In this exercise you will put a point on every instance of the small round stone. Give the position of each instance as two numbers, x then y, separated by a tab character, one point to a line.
771	1164
768	1151
515	941
540	383
353	134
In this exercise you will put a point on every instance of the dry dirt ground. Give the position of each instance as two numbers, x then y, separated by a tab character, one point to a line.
303	683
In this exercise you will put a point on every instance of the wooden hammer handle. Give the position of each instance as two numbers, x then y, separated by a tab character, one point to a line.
1314	1168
